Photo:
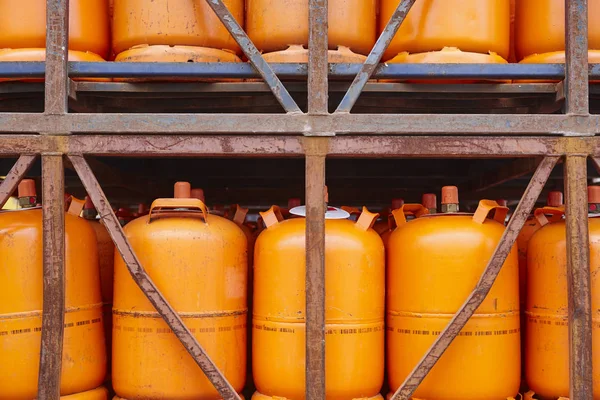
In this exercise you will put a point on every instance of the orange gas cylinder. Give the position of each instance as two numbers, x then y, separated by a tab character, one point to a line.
354	308
540	26
40	55
555	199
199	262
97	394
448	55
21	277
106	259
352	23
23	25
434	262
470	25
172	23
547	333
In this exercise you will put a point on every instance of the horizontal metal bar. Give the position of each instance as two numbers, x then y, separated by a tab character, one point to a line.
282	124
245	70
291	146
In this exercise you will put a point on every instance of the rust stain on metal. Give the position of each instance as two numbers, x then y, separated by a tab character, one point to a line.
576	79
146	284
316	150
53	314
578	279
15	175
484	285
56	79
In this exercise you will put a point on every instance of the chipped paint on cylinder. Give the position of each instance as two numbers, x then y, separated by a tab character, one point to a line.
354	308
199	263
434	262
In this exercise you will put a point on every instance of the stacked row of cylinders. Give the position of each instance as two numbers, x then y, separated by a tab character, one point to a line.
200	262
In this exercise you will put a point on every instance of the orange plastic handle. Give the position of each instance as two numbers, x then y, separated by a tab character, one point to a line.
366	219
400	214
163	206
76	206
272	216
240	214
484	208
556	213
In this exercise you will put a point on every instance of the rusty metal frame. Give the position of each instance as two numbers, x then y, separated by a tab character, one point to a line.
57	133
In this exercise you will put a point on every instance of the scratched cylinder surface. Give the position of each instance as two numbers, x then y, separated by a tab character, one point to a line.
173	23
23	25
354	310
547	332
198	262
84	353
352	23
471	25
434	262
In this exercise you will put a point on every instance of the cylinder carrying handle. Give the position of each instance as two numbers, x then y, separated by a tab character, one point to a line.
272	216
400	214
484	209
556	214
366	219
166	207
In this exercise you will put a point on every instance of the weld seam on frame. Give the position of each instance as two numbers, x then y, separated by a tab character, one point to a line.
38	313
154	314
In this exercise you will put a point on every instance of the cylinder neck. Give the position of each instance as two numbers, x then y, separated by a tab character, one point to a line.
89	211
27	194
594	199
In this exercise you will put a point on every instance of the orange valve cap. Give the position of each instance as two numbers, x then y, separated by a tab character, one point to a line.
593	194
555	198
502	202
182	190
397	203
198	193
27	188
429	200
294	202
89	205
449	195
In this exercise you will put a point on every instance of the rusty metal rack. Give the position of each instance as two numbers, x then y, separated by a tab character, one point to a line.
78	119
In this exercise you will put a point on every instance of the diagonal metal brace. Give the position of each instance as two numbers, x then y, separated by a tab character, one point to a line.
443	341
375	55
144	282
16	174
257	60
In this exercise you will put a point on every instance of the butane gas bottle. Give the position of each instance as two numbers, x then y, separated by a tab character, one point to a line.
21	282
198	261
470	25
354	307
547	333
434	263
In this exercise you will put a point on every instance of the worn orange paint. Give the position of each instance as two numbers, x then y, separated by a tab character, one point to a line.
434	262
470	25
276	24
199	263
84	353
354	308
540	26
172	22
547	333
23	25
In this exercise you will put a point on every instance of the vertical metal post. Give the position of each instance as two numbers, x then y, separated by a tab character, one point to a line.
316	150
54	276
318	45
576	78
53	187
578	278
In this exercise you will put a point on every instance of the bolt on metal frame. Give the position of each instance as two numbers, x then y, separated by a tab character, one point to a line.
315	136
